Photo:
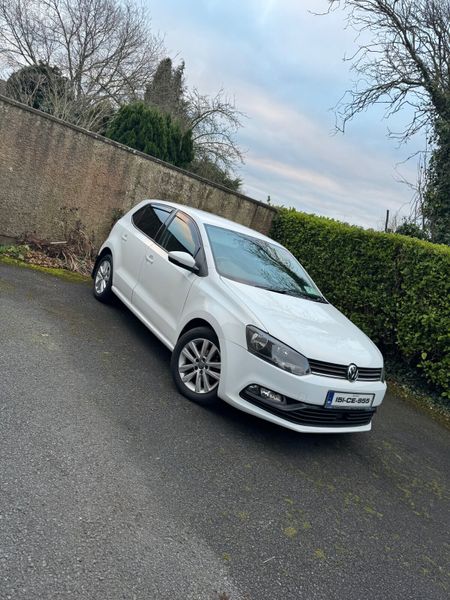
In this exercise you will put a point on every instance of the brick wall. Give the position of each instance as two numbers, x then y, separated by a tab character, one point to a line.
53	174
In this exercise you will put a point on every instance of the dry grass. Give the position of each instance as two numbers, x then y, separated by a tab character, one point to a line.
75	253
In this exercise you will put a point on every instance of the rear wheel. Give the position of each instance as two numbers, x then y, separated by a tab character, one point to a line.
196	365
103	279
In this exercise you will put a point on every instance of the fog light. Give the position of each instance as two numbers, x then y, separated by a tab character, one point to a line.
272	396
265	394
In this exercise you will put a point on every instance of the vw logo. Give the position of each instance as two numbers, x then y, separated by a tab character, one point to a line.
352	372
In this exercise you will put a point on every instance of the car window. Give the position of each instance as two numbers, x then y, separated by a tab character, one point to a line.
259	263
180	235
150	218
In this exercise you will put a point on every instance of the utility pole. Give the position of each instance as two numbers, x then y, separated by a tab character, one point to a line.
387	221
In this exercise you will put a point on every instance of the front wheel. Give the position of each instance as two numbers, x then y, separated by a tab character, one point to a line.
196	365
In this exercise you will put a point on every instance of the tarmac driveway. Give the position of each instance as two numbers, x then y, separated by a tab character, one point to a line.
113	486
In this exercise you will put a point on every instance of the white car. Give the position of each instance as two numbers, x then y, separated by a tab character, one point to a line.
243	319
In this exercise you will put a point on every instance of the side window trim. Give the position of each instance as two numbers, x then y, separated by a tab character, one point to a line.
200	255
163	228
172	212
187	219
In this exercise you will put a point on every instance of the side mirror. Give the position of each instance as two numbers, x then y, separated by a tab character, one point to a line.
183	260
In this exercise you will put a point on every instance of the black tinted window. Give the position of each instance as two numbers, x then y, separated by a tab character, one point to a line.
150	218
180	235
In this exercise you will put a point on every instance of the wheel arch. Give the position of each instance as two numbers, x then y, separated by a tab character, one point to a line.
197	322
100	255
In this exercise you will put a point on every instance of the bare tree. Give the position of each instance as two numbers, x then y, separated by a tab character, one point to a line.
214	121
418	189
403	60
104	49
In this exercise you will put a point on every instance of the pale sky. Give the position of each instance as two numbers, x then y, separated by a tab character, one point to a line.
284	67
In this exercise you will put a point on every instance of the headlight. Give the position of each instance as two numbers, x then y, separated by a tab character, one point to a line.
270	349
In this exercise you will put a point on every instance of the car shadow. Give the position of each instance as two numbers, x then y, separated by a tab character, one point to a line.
225	415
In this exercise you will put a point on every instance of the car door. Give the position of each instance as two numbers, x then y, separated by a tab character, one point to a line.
136	236
163	287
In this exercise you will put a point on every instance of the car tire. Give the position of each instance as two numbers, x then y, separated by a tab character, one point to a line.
196	365
103	276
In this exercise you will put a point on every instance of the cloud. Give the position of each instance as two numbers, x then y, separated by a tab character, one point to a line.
297	175
284	67
265	10
297	161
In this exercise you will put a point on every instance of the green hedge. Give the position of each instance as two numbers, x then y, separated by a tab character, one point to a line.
395	288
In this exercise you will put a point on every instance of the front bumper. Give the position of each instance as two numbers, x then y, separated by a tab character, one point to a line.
240	369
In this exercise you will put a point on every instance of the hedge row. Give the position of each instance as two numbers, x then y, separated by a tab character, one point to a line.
395	288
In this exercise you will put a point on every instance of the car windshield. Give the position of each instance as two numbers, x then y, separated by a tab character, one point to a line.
259	263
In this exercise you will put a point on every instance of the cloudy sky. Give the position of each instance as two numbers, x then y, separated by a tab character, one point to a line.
284	67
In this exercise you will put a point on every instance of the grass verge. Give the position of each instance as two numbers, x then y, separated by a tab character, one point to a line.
56	272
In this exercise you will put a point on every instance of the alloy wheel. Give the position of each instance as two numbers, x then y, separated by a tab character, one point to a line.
102	276
199	366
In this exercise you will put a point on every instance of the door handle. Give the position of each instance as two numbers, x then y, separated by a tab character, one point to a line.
124	237
149	258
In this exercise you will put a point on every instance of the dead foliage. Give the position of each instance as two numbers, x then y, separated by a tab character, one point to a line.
75	253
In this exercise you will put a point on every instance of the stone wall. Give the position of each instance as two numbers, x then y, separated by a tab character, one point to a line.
53	174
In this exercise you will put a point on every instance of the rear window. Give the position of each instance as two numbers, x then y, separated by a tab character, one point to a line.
150	218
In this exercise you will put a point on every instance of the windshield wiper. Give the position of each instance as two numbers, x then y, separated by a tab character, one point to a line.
270	289
295	293
320	299
308	297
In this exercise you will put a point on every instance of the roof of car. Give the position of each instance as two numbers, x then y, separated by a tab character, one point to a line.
208	218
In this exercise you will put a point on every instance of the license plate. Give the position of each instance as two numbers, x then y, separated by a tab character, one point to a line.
346	400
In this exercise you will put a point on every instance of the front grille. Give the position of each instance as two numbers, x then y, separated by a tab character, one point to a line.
369	374
315	416
325	369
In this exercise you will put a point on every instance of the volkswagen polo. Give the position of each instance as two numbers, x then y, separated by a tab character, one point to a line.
243	319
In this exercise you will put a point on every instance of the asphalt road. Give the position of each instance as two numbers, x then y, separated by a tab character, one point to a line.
113	486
